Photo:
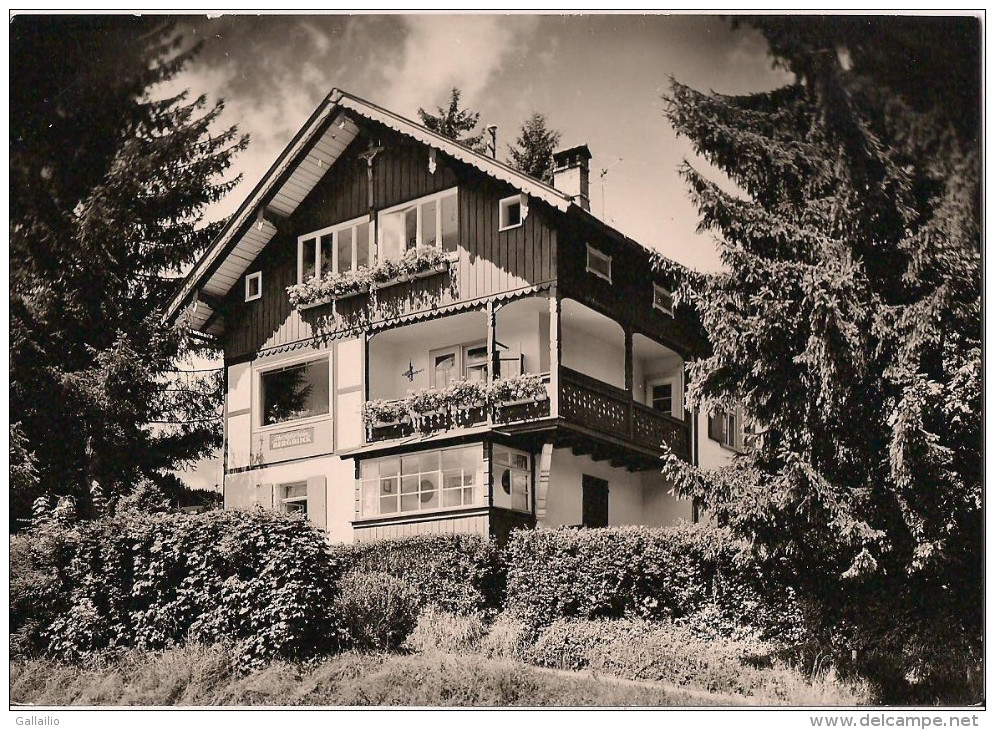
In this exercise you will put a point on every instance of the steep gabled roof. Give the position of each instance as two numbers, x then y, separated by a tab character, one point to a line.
310	154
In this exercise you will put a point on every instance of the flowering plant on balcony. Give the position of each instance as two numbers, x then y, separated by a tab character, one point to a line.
463	395
384	411
527	386
425	401
329	286
421	259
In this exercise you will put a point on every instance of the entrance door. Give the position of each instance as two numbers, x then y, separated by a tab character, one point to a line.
595	507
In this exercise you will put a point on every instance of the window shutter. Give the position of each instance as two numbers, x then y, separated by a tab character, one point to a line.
264	496
715	426
316	512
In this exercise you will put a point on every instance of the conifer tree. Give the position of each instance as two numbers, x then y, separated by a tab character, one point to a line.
109	180
847	325
455	123
533	150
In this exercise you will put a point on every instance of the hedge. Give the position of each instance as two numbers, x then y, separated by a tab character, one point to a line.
261	581
461	574
691	574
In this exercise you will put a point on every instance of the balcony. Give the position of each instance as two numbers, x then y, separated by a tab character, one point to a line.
603	409
613	395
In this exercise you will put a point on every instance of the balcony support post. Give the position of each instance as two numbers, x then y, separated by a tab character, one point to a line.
554	352
628	379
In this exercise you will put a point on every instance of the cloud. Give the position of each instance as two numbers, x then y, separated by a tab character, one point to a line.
440	52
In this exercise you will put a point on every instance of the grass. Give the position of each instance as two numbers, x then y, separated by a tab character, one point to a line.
202	676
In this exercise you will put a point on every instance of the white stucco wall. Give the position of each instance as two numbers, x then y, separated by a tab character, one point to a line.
242	490
634	498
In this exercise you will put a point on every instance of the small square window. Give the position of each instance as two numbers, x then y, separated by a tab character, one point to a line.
254	286
598	263
511	212
663	300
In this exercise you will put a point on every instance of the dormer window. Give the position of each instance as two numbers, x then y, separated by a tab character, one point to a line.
663	300
598	263
335	250
511	212
254	286
431	221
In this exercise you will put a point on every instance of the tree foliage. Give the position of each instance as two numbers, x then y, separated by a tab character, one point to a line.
455	123
847	321
109	178
533	150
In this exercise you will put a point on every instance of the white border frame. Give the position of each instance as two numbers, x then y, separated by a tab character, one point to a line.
416	203
503	206
256	276
257	397
598	254
657	288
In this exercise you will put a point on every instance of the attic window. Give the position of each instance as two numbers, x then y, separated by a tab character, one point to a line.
511	212
599	264
663	300
254	286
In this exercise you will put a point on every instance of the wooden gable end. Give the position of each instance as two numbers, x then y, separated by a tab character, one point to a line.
487	261
628	296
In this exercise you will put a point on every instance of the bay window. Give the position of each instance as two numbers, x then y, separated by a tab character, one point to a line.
425	481
431	221
335	250
512	478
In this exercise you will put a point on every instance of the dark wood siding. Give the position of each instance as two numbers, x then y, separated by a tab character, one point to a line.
628	298
488	261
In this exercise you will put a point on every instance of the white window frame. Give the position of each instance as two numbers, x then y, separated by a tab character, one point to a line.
286	500
477	487
505	205
498	466
256	278
353	225
731	438
283	365
593	252
418	204
461	352
676	404
657	289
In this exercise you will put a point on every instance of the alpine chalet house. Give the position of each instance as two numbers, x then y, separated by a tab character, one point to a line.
418	338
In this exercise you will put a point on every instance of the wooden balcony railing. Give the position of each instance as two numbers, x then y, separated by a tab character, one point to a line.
609	410
584	400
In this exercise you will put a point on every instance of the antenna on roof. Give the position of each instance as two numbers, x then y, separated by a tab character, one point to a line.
602	175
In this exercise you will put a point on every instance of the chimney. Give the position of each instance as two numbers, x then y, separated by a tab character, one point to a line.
571	175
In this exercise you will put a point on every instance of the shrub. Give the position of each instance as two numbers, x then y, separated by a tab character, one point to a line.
690	574
377	610
506	638
439	630
262	581
461	574
637	649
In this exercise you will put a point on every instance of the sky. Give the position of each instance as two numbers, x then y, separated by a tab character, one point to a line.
598	79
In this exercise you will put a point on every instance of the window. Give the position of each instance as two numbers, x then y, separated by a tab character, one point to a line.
511	212
475	361
662	397
293	497
428	221
460	362
343	247
598	263
512	472
724	427
421	482
294	392
253	286
663	300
